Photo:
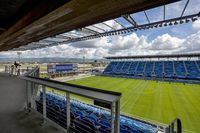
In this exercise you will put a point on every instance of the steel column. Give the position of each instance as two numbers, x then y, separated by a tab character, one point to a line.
33	96
112	118
117	116
44	103
28	95
171	128
68	110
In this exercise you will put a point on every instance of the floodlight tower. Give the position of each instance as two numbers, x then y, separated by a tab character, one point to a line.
84	60
19	54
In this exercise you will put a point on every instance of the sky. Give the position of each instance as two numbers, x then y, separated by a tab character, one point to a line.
178	39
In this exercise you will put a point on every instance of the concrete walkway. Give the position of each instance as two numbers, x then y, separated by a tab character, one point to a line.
13	118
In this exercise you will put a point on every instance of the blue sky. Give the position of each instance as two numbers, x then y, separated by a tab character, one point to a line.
184	38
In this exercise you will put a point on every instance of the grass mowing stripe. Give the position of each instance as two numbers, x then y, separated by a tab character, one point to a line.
157	101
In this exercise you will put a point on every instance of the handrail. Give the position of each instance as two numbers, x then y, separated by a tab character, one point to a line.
171	127
107	97
31	72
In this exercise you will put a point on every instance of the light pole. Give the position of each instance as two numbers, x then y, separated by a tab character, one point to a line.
19	54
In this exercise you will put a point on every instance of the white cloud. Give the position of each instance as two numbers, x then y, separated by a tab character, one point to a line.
191	43
166	42
196	24
118	46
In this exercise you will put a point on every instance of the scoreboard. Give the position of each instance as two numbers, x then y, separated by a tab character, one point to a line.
61	68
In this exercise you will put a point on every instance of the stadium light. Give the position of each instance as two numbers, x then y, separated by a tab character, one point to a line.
181	21
187	20
175	23
170	24
151	26
165	24
194	19
160	25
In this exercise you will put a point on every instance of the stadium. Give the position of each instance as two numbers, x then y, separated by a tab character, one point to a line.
116	81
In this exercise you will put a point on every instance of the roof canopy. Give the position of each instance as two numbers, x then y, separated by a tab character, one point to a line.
155	56
76	21
51	22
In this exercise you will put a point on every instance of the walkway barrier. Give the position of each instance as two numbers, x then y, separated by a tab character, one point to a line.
12	70
174	127
67	122
69	115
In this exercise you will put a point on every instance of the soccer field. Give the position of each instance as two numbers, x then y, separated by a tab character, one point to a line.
159	102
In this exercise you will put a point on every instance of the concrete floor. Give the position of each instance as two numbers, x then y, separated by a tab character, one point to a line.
21	122
13	118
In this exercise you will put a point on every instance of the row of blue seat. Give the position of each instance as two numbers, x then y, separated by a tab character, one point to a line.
88	119
166	69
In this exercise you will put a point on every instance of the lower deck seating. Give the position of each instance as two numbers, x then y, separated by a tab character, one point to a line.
159	69
88	119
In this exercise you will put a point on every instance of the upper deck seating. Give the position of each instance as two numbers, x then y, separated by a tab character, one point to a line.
160	69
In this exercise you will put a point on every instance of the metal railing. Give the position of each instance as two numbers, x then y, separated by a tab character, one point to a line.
12	70
174	127
64	118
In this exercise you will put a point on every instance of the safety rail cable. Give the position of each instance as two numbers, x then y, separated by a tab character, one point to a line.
109	97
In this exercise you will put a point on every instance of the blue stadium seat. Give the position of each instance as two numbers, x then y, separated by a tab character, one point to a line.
88	119
159	69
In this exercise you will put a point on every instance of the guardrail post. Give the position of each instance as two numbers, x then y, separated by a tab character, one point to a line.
15	71
12	70
28	102
179	126
44	103
6	69
112	118
171	128
117	116
33	95
18	72
68	110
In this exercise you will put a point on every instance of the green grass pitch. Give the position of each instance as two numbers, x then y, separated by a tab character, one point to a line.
158	102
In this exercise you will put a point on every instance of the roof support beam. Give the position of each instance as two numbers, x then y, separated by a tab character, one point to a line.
146	17
128	18
77	34
185	8
62	37
124	30
164	12
109	26
70	35
119	23
48	41
90	30
98	28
